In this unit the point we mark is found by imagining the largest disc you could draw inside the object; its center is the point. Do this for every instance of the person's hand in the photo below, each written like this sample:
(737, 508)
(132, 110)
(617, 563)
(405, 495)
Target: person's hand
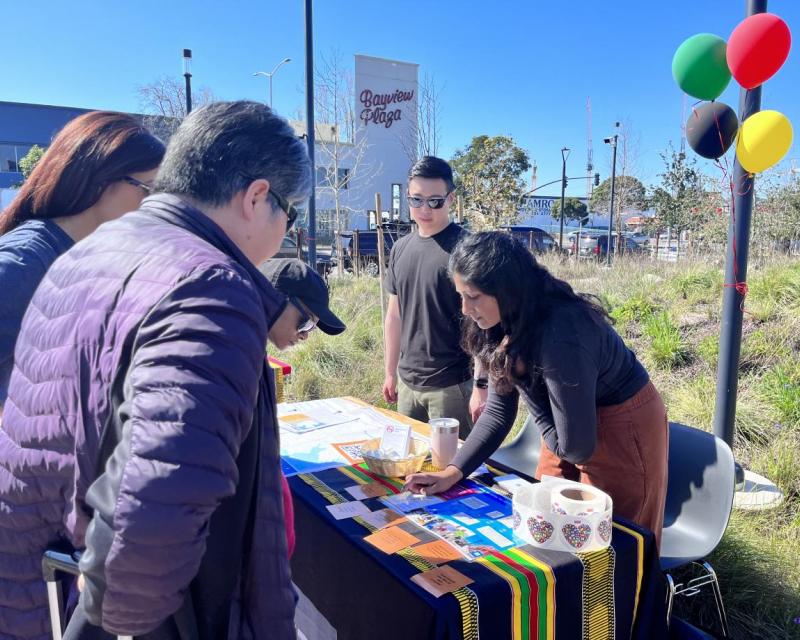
(477, 403)
(390, 388)
(430, 483)
(81, 583)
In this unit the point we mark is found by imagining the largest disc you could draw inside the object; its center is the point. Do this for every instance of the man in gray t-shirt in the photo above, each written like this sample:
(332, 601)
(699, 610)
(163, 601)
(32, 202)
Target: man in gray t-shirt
(426, 371)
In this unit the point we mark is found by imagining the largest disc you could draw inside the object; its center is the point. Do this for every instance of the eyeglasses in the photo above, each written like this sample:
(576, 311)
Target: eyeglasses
(436, 202)
(289, 210)
(307, 323)
(138, 183)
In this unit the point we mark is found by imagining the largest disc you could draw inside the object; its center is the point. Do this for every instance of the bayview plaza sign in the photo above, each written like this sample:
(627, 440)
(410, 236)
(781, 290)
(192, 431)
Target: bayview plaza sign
(377, 107)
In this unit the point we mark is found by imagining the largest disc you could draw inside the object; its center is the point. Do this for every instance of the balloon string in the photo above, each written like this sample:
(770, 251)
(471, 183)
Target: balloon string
(739, 285)
(719, 134)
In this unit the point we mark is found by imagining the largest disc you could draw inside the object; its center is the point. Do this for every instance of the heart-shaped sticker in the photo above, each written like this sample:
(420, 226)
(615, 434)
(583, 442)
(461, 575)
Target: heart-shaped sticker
(576, 534)
(540, 529)
(604, 529)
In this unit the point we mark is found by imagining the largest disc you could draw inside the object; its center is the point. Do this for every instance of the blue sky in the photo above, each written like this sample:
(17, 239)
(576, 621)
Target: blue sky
(519, 68)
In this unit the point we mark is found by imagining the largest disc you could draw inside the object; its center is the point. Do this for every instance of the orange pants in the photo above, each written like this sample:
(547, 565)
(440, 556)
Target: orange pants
(630, 460)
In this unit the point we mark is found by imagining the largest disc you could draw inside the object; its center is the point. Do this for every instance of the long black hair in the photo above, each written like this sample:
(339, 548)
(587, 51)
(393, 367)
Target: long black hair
(90, 153)
(499, 265)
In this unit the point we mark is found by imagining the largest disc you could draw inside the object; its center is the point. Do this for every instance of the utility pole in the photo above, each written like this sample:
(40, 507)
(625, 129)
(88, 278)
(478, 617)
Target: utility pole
(589, 150)
(613, 142)
(312, 205)
(564, 156)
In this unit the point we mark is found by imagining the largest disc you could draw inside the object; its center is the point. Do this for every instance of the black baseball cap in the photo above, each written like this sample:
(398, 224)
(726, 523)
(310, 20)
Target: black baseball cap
(294, 277)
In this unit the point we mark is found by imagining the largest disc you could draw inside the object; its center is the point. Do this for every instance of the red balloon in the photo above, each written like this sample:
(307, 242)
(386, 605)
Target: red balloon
(757, 48)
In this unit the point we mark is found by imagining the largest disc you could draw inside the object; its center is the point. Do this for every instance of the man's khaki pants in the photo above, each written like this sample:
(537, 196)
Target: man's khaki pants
(447, 402)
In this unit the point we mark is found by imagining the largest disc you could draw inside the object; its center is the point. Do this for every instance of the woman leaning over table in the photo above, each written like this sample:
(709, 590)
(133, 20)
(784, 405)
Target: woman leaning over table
(601, 420)
(99, 166)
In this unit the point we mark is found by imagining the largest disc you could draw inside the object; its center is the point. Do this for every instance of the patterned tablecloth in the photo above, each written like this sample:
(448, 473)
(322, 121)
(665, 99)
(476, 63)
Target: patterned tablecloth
(519, 593)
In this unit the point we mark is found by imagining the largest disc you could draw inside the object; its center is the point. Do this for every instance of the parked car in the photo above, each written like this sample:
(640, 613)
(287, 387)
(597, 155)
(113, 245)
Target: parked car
(536, 239)
(289, 249)
(594, 244)
(639, 237)
(588, 242)
(367, 248)
(326, 258)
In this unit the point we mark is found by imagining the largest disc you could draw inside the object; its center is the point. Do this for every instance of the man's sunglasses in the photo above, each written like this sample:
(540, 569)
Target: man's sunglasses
(307, 323)
(436, 202)
(138, 183)
(283, 203)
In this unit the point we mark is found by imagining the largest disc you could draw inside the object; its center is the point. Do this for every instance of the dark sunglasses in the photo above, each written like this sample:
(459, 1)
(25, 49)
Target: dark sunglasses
(436, 202)
(289, 210)
(138, 183)
(307, 323)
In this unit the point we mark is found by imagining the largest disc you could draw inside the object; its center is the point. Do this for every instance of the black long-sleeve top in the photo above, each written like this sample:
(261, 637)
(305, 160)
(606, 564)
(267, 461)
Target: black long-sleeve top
(581, 364)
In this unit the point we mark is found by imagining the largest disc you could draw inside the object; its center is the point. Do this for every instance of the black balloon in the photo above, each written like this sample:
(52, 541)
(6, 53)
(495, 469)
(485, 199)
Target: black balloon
(711, 129)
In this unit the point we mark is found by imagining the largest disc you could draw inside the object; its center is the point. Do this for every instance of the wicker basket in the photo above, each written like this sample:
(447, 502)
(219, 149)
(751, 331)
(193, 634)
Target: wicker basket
(419, 450)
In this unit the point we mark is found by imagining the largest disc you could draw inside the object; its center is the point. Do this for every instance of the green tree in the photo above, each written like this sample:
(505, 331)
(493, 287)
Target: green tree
(574, 209)
(629, 193)
(31, 159)
(488, 174)
(680, 196)
(776, 215)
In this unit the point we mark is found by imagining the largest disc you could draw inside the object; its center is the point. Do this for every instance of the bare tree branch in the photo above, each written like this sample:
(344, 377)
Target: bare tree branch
(343, 172)
(423, 136)
(164, 104)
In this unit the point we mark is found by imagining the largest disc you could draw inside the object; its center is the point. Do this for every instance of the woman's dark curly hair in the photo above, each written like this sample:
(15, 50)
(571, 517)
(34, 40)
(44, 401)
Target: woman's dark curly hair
(527, 294)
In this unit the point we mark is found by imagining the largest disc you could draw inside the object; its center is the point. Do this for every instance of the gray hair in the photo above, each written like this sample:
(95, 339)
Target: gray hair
(220, 148)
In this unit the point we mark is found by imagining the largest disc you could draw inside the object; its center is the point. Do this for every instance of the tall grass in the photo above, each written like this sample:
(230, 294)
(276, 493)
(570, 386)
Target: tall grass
(774, 291)
(669, 315)
(350, 364)
(667, 347)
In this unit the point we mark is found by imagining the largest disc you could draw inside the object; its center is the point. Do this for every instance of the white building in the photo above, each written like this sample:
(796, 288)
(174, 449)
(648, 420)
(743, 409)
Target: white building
(369, 150)
(371, 153)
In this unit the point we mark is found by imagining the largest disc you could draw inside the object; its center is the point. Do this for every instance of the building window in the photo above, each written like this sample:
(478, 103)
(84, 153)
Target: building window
(325, 178)
(395, 201)
(344, 178)
(326, 224)
(8, 158)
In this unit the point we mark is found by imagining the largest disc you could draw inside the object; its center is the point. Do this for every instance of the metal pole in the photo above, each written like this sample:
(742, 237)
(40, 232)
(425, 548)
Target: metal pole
(611, 206)
(270, 91)
(312, 207)
(730, 340)
(187, 57)
(563, 188)
(381, 259)
(188, 77)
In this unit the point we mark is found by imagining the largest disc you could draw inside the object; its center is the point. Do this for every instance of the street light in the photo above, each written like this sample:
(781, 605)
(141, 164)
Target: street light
(187, 74)
(613, 142)
(269, 74)
(564, 156)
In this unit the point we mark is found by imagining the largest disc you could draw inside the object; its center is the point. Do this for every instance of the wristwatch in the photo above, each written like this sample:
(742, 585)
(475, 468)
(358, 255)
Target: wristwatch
(481, 383)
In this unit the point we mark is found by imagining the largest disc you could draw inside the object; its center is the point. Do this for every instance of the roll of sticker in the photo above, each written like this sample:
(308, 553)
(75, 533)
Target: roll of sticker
(572, 499)
(536, 522)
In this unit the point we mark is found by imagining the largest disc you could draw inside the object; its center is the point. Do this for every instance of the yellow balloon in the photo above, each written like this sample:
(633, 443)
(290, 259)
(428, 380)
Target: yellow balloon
(764, 138)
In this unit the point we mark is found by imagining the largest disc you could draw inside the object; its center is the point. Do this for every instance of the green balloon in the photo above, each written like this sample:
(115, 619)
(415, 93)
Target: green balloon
(700, 68)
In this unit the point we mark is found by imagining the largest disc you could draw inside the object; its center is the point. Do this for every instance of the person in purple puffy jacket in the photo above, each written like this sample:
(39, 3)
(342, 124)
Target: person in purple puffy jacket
(140, 423)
